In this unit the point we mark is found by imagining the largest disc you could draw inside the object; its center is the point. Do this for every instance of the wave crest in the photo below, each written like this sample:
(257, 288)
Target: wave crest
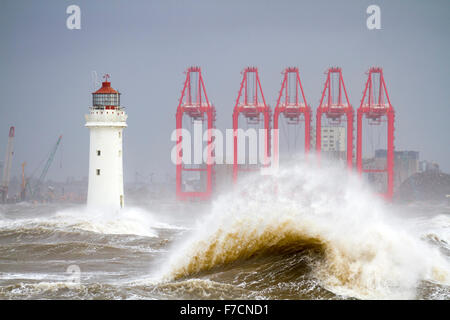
(366, 251)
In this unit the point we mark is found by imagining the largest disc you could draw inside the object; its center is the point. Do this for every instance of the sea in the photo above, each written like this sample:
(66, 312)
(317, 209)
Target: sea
(304, 232)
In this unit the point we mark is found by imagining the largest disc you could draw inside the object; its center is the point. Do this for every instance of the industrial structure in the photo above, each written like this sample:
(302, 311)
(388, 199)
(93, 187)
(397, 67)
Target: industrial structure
(7, 166)
(23, 184)
(376, 107)
(29, 190)
(35, 192)
(291, 103)
(334, 138)
(195, 105)
(406, 164)
(252, 106)
(106, 120)
(335, 108)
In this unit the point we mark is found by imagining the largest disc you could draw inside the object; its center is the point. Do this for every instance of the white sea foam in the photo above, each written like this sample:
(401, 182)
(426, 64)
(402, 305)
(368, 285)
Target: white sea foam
(134, 221)
(369, 251)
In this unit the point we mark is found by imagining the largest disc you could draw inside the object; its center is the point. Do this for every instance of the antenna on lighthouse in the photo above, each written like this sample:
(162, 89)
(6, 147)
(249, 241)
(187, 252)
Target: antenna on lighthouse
(95, 82)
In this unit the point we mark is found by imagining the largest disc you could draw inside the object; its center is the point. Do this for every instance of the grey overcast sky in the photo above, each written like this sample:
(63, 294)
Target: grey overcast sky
(45, 69)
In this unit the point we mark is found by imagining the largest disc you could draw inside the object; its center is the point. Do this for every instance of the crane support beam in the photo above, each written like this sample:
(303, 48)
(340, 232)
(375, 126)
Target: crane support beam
(7, 165)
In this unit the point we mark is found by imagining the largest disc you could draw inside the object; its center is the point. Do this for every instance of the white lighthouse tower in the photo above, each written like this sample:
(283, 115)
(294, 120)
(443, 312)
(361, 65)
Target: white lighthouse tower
(106, 120)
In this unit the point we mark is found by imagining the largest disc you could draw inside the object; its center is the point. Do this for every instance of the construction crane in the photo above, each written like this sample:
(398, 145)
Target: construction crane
(7, 165)
(36, 190)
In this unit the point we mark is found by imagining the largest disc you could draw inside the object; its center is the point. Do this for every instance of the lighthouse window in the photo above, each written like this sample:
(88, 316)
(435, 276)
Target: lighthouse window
(98, 172)
(101, 99)
(120, 135)
(99, 152)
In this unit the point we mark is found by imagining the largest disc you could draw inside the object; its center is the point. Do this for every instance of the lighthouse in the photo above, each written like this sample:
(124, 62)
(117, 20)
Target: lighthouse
(106, 120)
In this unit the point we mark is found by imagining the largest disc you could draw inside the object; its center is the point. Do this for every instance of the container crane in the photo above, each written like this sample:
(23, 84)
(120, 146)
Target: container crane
(251, 106)
(335, 105)
(376, 107)
(195, 105)
(292, 105)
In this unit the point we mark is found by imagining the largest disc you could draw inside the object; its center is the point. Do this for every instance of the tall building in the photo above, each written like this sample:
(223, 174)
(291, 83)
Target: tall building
(334, 141)
(106, 120)
(406, 163)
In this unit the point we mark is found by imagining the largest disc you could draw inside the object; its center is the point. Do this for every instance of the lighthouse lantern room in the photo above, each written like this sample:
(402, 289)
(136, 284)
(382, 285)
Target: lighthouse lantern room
(106, 120)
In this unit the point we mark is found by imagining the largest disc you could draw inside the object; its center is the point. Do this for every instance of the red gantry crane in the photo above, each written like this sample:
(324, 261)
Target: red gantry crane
(7, 165)
(335, 108)
(292, 105)
(194, 104)
(250, 104)
(377, 108)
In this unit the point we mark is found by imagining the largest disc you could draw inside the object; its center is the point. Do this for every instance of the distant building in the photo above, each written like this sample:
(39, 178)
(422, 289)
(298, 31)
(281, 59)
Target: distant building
(406, 163)
(334, 144)
(425, 166)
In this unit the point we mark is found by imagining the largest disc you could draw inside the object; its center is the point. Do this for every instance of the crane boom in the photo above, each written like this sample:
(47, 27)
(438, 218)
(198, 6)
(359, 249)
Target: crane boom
(47, 166)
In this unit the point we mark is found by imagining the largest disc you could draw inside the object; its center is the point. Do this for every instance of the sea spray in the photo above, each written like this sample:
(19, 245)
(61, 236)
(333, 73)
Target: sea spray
(368, 252)
(133, 221)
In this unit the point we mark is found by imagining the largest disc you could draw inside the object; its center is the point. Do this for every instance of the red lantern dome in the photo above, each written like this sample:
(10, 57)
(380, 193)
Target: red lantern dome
(106, 97)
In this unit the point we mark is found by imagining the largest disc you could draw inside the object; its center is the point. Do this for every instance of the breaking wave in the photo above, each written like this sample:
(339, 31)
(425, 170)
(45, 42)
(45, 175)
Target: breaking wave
(355, 244)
